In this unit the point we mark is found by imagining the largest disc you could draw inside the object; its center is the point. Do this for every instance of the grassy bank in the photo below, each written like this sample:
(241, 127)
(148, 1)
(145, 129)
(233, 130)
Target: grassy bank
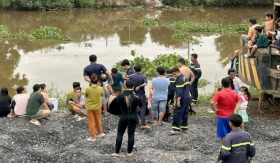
(68, 4)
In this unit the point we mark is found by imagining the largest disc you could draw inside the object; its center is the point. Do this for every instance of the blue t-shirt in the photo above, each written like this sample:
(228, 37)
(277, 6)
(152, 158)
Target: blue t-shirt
(95, 68)
(129, 72)
(117, 80)
(160, 85)
(139, 79)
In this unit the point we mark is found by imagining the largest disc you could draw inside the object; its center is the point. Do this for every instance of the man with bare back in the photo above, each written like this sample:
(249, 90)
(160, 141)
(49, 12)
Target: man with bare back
(187, 72)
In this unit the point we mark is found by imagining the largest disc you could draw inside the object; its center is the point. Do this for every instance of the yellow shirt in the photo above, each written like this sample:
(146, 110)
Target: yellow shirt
(94, 95)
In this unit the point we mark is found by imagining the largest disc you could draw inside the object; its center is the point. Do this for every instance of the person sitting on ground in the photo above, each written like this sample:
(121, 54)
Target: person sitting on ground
(268, 25)
(118, 80)
(46, 96)
(128, 103)
(94, 94)
(159, 92)
(238, 146)
(235, 62)
(236, 81)
(251, 34)
(129, 69)
(187, 72)
(37, 107)
(261, 41)
(21, 101)
(78, 105)
(71, 95)
(5, 103)
(224, 103)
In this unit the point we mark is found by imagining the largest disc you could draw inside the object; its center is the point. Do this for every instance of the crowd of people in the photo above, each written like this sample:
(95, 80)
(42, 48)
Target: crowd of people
(260, 36)
(171, 94)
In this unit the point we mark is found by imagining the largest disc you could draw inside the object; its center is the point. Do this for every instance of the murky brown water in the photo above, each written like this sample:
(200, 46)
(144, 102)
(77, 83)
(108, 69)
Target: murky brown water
(26, 62)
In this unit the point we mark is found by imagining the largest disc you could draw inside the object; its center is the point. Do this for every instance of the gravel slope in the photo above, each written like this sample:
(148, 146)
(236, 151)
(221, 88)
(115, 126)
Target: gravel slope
(61, 139)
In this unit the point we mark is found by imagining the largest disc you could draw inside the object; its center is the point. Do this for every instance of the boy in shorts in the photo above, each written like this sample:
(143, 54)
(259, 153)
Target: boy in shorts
(261, 41)
(224, 103)
(238, 145)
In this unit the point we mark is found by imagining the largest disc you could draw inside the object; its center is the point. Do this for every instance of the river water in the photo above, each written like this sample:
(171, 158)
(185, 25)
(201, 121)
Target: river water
(27, 62)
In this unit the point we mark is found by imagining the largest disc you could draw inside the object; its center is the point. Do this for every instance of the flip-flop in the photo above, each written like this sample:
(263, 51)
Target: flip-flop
(91, 139)
(149, 122)
(161, 124)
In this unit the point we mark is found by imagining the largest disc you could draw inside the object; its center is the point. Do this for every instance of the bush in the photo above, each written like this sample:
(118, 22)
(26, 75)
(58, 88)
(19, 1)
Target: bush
(149, 66)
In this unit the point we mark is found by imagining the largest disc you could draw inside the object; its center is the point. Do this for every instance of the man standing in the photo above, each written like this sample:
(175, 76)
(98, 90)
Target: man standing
(118, 80)
(171, 92)
(235, 62)
(159, 91)
(140, 81)
(195, 67)
(251, 34)
(236, 81)
(224, 103)
(37, 107)
(97, 69)
(180, 113)
(187, 72)
(129, 69)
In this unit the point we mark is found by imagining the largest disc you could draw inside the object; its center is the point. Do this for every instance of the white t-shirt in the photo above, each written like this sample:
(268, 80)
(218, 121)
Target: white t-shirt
(21, 103)
(237, 83)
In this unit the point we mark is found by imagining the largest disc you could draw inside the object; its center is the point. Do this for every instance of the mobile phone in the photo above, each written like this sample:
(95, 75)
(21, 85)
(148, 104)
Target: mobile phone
(71, 99)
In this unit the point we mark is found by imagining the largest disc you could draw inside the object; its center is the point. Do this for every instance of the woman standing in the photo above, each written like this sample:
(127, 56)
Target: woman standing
(128, 102)
(94, 95)
(5, 102)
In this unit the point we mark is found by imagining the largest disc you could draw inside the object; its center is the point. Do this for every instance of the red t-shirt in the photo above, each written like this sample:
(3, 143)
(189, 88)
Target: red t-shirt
(226, 101)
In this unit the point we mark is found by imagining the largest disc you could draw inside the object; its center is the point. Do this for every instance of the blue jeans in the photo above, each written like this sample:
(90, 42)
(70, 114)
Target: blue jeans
(159, 105)
(51, 106)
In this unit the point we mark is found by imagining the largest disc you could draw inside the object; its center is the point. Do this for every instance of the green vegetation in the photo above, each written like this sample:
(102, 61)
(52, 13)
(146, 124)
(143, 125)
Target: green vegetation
(126, 43)
(187, 37)
(54, 92)
(255, 92)
(191, 3)
(188, 26)
(147, 22)
(45, 32)
(149, 66)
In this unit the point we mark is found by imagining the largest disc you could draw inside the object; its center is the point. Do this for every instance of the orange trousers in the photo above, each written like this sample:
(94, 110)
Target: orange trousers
(94, 119)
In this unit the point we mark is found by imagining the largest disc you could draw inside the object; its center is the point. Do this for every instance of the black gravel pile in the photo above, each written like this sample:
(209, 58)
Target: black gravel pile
(62, 139)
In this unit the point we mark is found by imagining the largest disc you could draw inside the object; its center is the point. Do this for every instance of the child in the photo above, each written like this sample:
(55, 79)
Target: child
(150, 106)
(238, 145)
(245, 95)
(260, 41)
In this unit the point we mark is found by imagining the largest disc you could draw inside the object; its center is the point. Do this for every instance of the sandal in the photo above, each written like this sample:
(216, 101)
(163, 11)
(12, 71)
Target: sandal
(160, 124)
(35, 122)
(91, 139)
(101, 135)
(175, 132)
(149, 122)
(116, 155)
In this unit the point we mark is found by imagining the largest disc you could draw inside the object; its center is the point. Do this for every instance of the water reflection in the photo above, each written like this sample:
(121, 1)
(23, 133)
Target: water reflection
(116, 26)
(9, 59)
(226, 45)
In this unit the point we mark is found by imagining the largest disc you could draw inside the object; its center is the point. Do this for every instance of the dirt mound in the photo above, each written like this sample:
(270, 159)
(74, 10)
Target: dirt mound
(61, 139)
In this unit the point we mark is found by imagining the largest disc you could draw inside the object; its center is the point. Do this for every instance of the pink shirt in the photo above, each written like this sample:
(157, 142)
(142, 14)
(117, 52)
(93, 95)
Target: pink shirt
(21, 103)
